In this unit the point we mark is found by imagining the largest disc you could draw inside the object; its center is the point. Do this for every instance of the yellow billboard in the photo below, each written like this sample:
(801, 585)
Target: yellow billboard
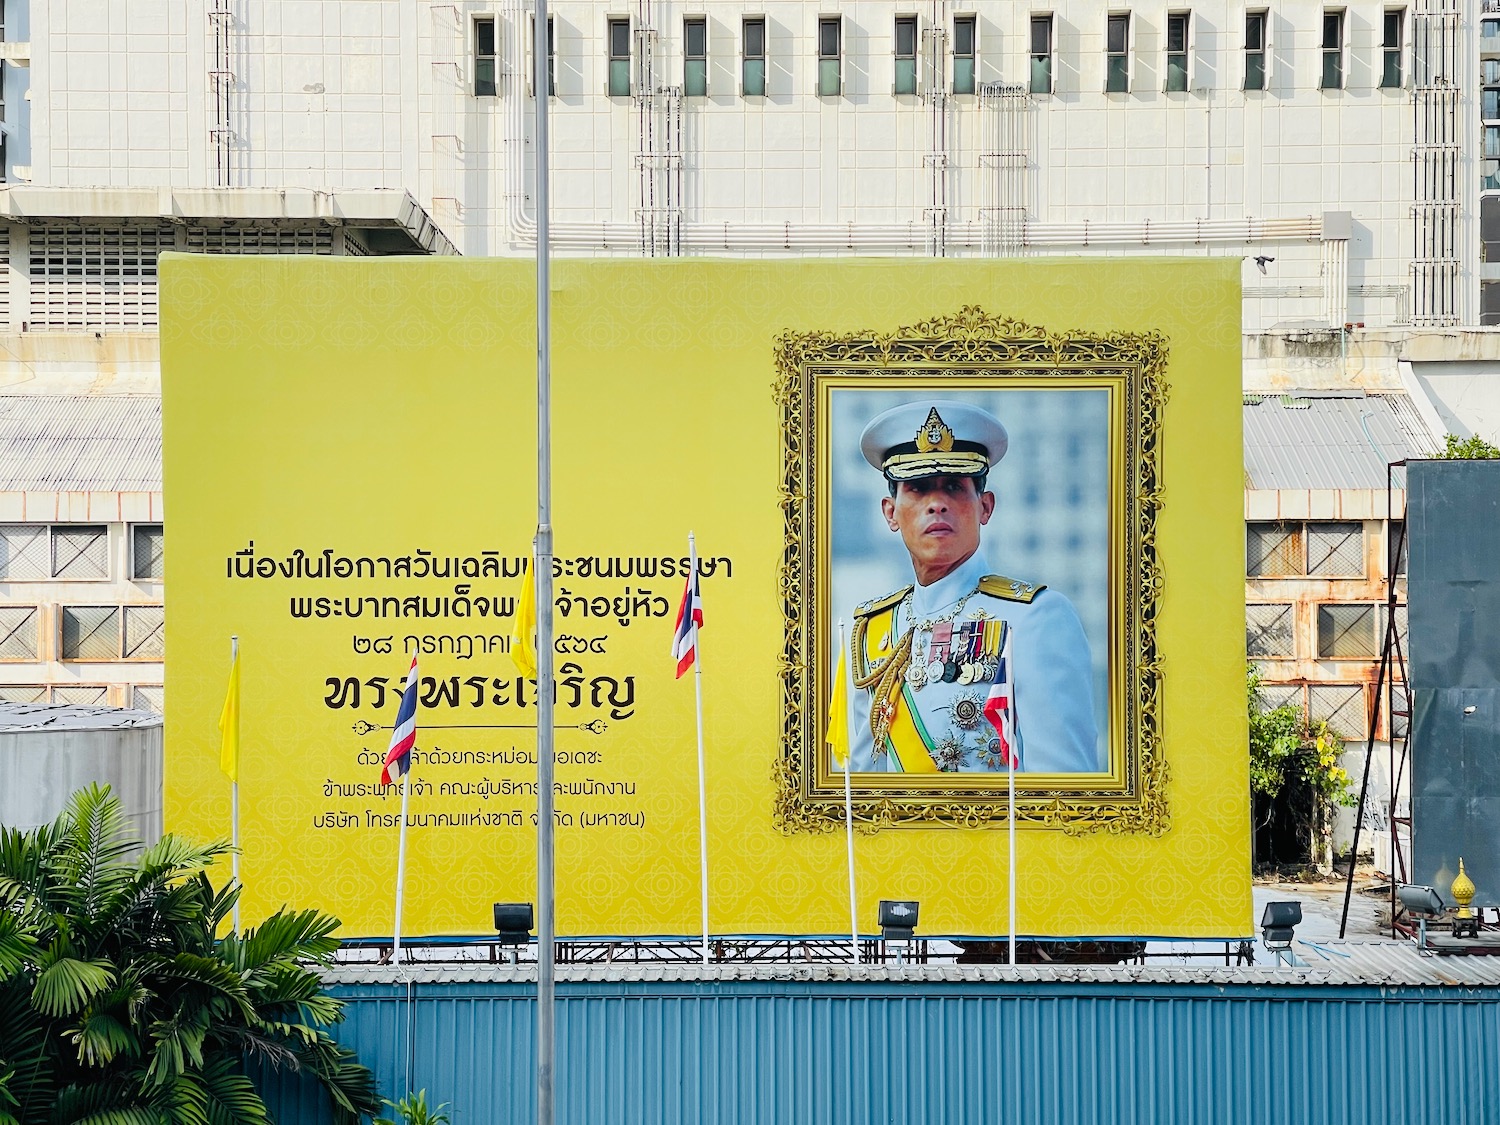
(350, 472)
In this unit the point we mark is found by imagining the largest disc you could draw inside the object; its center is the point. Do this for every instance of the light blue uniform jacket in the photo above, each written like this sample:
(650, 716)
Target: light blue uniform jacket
(1052, 677)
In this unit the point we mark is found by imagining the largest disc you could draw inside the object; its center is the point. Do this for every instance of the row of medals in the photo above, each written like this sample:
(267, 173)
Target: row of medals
(976, 668)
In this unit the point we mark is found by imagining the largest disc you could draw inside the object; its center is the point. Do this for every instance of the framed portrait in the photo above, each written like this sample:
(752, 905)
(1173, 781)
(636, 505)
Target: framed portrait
(1036, 643)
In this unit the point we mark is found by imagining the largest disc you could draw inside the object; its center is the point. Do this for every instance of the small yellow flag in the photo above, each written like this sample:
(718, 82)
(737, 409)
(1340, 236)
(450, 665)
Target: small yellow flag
(523, 628)
(229, 725)
(838, 716)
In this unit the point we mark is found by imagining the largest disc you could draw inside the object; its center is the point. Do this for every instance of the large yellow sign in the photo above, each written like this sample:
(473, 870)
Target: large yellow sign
(350, 472)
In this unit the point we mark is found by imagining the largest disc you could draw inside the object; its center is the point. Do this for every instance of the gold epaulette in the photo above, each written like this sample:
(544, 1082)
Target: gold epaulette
(875, 605)
(1010, 589)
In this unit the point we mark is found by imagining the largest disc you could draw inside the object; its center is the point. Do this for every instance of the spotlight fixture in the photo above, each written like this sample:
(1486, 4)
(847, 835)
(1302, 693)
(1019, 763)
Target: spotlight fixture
(1423, 903)
(1277, 925)
(898, 919)
(513, 922)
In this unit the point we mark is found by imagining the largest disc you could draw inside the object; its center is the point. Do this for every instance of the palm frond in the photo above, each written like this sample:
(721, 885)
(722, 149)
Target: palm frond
(101, 1038)
(302, 934)
(16, 945)
(102, 1102)
(231, 1096)
(65, 984)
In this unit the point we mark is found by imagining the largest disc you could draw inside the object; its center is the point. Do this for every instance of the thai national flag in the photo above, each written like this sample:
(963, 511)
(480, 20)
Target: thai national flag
(1000, 706)
(398, 757)
(689, 618)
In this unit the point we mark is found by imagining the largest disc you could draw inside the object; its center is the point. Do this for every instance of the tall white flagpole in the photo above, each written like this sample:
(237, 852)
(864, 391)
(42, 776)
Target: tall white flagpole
(546, 876)
(702, 781)
(234, 792)
(1011, 817)
(849, 829)
(401, 864)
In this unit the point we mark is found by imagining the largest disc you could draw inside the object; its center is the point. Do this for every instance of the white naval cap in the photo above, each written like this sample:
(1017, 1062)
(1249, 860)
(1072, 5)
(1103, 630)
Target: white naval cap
(931, 438)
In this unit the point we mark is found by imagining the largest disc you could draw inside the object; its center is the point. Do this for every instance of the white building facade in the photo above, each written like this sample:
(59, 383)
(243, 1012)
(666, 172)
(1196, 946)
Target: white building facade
(1348, 153)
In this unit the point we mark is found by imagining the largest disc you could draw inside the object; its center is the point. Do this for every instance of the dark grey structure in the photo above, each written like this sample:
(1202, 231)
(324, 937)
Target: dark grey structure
(1453, 594)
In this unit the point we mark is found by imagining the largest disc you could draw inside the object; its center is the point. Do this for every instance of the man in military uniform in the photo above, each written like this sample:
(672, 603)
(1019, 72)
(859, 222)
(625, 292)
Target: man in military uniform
(922, 658)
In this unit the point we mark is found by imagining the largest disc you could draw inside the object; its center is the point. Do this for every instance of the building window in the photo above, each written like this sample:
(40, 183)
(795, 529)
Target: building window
(1041, 54)
(753, 61)
(32, 552)
(148, 697)
(695, 57)
(1273, 550)
(1292, 550)
(1333, 51)
(1117, 53)
(1492, 142)
(484, 57)
(906, 55)
(20, 627)
(1268, 631)
(1255, 50)
(1178, 24)
(23, 693)
(551, 58)
(830, 58)
(81, 695)
(1401, 628)
(965, 32)
(94, 632)
(1347, 632)
(147, 544)
(619, 58)
(1395, 548)
(1341, 706)
(1390, 71)
(1336, 550)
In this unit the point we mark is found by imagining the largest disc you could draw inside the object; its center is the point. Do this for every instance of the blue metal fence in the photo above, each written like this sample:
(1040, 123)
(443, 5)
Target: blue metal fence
(807, 1052)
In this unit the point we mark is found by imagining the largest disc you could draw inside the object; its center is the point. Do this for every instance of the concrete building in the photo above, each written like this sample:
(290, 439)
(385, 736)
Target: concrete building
(1348, 154)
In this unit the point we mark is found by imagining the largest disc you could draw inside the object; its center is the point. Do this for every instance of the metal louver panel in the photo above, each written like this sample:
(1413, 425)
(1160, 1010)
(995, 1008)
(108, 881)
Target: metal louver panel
(148, 697)
(1273, 550)
(1271, 696)
(90, 632)
(1336, 550)
(1346, 631)
(144, 632)
(18, 632)
(81, 695)
(23, 552)
(1268, 630)
(80, 552)
(1342, 706)
(147, 550)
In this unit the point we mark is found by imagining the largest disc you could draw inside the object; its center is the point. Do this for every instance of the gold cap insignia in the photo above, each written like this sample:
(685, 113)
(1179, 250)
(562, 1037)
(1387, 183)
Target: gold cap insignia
(934, 436)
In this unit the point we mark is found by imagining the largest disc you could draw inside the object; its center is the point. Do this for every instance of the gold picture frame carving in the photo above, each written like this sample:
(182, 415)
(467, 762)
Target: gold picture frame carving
(974, 344)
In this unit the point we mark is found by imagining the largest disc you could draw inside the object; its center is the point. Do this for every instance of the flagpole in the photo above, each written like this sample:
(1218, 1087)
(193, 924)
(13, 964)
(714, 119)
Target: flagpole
(1011, 817)
(401, 866)
(546, 949)
(234, 792)
(702, 782)
(849, 830)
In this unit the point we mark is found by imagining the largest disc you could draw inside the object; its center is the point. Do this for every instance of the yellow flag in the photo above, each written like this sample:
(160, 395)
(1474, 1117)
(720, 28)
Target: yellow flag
(229, 725)
(838, 716)
(523, 629)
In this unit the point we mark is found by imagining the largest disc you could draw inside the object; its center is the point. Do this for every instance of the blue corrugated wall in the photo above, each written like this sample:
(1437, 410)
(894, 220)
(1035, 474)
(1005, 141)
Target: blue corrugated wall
(804, 1053)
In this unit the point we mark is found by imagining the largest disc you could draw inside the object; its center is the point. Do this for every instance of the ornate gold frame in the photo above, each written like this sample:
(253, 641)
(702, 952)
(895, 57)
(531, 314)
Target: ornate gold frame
(1133, 798)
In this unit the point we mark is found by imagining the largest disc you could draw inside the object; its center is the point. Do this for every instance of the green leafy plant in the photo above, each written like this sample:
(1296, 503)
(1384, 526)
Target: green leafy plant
(414, 1110)
(1285, 744)
(1473, 448)
(119, 1005)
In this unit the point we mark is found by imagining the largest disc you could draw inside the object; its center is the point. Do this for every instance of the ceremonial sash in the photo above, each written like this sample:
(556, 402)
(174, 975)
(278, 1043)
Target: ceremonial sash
(883, 673)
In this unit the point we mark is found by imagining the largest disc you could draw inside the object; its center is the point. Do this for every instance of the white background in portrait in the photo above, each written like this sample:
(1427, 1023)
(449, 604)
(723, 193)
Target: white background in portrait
(1051, 521)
